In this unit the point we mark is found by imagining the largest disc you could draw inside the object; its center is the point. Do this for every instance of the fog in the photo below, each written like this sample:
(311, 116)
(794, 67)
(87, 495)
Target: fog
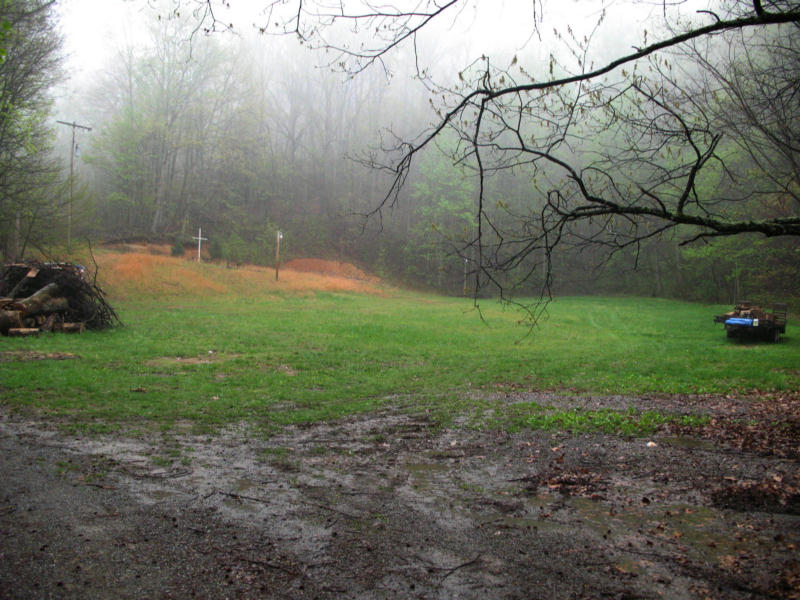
(233, 125)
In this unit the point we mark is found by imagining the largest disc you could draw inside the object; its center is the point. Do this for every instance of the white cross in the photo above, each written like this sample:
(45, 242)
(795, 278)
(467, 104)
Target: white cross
(200, 239)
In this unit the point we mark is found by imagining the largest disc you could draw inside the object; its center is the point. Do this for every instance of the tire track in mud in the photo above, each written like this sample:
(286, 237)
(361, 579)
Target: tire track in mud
(389, 506)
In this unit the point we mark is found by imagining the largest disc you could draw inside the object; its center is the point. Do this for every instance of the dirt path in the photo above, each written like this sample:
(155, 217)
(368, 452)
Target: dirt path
(385, 506)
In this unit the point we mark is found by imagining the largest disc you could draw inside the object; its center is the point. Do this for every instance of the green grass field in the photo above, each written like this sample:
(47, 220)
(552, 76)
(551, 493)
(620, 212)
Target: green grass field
(289, 357)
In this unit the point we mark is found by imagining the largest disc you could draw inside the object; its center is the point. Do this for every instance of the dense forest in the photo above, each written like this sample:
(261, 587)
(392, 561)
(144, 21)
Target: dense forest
(245, 135)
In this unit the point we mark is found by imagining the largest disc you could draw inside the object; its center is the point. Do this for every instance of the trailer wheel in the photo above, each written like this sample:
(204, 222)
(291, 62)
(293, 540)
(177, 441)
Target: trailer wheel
(776, 335)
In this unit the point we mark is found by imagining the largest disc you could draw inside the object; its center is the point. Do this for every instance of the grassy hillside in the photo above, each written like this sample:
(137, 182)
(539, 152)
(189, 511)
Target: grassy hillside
(214, 345)
(151, 273)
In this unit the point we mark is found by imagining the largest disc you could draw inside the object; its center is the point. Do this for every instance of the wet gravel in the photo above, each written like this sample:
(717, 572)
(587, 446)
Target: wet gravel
(390, 506)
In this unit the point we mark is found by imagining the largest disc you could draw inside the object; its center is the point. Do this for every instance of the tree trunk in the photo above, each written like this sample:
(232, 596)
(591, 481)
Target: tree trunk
(17, 220)
(657, 265)
(47, 300)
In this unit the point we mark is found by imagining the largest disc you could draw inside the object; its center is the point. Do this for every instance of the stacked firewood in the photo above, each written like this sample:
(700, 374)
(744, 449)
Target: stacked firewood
(37, 297)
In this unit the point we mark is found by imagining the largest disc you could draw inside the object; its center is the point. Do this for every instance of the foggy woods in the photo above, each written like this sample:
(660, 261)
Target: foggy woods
(669, 169)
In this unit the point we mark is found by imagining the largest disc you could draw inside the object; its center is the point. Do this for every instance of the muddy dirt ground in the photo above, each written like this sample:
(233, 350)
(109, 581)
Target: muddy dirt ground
(388, 506)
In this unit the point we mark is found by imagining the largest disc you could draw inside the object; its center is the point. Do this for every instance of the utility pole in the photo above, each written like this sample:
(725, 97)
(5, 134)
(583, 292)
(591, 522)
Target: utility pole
(278, 239)
(74, 126)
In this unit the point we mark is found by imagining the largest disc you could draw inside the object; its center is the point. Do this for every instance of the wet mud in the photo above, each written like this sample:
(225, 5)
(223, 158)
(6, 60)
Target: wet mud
(391, 506)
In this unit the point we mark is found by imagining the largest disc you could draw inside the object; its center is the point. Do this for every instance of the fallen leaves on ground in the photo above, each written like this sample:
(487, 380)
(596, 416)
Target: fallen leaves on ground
(770, 425)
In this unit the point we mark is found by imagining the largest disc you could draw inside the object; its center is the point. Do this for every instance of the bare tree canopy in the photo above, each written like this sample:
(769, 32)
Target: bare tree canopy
(693, 135)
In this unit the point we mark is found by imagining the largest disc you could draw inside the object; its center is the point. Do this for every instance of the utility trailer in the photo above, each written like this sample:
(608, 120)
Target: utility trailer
(747, 320)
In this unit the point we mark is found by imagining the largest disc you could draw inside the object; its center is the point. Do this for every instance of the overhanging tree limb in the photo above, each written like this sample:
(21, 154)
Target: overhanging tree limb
(486, 94)
(611, 159)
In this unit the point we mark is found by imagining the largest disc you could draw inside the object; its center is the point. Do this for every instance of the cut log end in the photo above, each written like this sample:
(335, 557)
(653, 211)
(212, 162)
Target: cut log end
(10, 319)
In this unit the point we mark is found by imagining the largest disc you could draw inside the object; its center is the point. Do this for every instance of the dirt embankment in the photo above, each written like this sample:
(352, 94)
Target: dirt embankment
(137, 271)
(388, 506)
(329, 267)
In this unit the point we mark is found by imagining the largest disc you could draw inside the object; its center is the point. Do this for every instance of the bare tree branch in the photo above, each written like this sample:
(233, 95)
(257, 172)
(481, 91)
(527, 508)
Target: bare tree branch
(614, 163)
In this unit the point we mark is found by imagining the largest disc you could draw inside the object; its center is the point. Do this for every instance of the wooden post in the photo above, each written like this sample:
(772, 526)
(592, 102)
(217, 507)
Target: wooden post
(278, 239)
(466, 261)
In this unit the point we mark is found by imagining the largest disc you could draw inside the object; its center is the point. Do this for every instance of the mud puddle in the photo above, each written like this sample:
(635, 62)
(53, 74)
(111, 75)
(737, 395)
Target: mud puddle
(387, 506)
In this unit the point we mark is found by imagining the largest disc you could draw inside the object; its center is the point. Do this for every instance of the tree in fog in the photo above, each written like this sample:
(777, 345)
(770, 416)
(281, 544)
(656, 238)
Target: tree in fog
(31, 194)
(237, 136)
(688, 137)
(164, 108)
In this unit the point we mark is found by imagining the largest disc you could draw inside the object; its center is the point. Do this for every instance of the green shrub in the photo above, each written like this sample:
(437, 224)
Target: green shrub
(215, 249)
(236, 250)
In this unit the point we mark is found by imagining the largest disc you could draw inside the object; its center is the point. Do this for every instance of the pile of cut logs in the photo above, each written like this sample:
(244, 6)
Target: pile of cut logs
(37, 297)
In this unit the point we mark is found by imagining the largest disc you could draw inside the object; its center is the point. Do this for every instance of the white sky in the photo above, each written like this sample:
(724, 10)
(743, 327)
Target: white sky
(92, 28)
